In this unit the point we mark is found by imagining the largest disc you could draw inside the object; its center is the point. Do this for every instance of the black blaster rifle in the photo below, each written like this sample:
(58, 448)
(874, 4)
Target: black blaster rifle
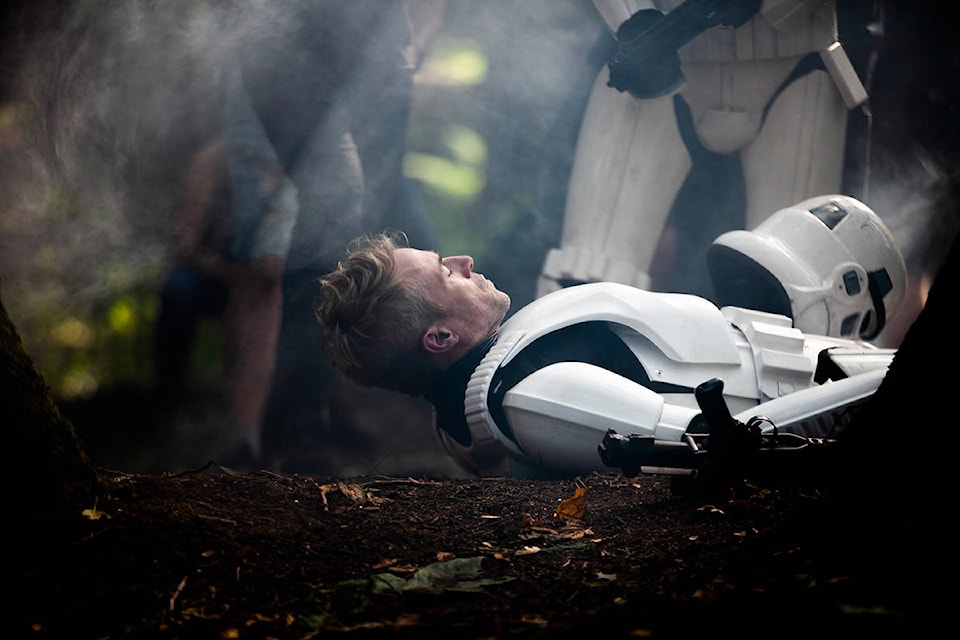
(646, 64)
(718, 449)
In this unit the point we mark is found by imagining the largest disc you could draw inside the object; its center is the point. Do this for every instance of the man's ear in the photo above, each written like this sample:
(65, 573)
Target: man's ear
(439, 339)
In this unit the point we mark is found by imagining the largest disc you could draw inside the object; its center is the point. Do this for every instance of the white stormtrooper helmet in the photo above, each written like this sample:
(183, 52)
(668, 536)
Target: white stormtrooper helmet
(829, 263)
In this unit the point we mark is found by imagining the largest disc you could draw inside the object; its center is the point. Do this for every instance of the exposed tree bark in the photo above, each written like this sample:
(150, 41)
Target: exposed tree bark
(909, 422)
(50, 467)
(897, 476)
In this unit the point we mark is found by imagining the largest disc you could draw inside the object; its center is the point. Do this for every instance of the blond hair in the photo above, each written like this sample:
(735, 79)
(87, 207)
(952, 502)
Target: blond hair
(373, 323)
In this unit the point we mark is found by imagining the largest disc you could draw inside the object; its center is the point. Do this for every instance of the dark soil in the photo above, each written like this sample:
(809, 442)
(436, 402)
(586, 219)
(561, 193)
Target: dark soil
(215, 554)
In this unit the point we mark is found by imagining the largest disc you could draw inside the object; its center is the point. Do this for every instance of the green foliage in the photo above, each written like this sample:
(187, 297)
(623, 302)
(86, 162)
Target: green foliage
(87, 350)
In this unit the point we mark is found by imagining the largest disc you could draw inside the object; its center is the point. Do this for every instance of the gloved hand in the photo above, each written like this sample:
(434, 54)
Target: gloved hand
(646, 64)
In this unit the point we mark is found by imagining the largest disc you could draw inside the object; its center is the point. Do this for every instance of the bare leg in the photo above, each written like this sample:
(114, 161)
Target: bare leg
(253, 324)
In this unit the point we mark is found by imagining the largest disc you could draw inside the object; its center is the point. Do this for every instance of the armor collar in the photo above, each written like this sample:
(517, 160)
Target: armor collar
(446, 395)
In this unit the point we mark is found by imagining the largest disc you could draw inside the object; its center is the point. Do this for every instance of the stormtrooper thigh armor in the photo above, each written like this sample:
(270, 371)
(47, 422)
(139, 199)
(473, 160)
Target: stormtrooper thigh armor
(629, 165)
(631, 162)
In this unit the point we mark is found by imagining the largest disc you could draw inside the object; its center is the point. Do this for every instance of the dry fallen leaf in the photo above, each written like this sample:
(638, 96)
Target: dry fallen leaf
(709, 508)
(526, 551)
(574, 507)
(93, 514)
(405, 568)
(353, 492)
(386, 562)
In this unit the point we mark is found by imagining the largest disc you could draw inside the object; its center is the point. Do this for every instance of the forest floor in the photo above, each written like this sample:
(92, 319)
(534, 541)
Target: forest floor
(213, 553)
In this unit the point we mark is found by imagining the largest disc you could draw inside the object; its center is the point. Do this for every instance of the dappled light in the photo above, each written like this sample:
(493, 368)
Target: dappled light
(450, 178)
(453, 62)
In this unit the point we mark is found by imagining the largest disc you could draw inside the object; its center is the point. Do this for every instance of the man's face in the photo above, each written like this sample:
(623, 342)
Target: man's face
(473, 303)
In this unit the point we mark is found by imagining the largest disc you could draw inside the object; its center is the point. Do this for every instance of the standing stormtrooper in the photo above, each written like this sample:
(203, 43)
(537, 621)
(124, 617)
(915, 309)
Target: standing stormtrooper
(767, 81)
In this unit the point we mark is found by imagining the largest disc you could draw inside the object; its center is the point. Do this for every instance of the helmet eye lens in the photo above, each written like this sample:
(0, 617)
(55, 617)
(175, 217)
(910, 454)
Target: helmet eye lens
(830, 214)
(849, 324)
(851, 283)
(882, 282)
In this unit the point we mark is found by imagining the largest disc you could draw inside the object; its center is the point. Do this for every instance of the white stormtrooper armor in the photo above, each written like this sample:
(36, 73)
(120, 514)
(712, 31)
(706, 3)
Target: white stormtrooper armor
(829, 260)
(830, 263)
(559, 414)
(631, 161)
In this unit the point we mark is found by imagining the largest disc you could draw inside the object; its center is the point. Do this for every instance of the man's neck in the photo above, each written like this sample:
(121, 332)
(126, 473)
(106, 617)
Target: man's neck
(458, 374)
(471, 357)
(449, 358)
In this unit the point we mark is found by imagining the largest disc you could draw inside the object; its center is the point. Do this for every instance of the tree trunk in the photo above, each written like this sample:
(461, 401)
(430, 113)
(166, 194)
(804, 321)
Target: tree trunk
(897, 481)
(51, 470)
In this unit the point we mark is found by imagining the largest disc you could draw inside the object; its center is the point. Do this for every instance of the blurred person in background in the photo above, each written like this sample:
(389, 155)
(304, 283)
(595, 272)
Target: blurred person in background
(232, 232)
(313, 138)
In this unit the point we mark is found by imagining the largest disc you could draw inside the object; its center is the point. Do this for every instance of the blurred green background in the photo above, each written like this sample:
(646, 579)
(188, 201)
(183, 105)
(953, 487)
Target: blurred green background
(103, 105)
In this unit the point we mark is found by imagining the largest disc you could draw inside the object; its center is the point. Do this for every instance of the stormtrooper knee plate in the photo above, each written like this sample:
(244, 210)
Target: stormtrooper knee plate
(629, 164)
